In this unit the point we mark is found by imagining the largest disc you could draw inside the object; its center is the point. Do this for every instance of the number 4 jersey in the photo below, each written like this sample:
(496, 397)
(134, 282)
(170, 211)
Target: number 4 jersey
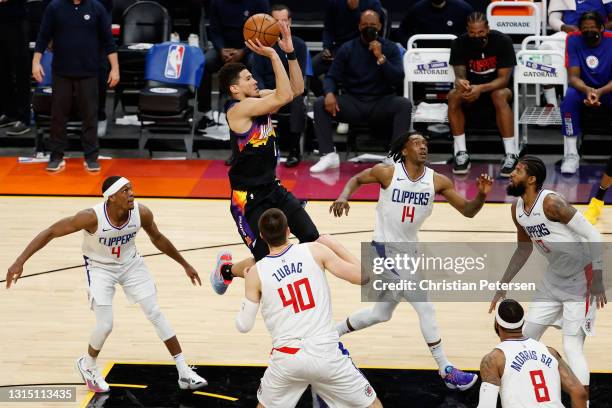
(295, 298)
(531, 375)
(112, 246)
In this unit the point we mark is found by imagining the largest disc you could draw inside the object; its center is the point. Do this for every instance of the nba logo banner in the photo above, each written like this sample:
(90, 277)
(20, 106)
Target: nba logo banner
(174, 61)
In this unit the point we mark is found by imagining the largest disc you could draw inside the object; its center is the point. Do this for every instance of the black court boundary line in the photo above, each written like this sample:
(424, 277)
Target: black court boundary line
(241, 243)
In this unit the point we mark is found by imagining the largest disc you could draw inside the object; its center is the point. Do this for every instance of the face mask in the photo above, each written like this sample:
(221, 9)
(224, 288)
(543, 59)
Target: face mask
(591, 38)
(369, 34)
(478, 42)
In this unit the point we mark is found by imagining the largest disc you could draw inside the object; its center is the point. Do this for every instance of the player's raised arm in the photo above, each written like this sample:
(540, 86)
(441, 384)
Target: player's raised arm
(162, 243)
(379, 174)
(467, 208)
(250, 304)
(570, 383)
(296, 77)
(491, 371)
(333, 256)
(519, 257)
(83, 220)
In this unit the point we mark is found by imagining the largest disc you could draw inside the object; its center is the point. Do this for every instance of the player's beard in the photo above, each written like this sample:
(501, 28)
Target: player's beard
(515, 190)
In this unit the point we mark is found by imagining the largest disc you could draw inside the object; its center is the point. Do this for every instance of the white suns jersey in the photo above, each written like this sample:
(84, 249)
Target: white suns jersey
(531, 375)
(112, 246)
(566, 252)
(295, 297)
(403, 206)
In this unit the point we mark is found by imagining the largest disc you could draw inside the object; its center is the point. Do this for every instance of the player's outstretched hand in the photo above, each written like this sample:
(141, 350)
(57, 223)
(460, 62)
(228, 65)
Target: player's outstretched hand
(285, 42)
(193, 275)
(499, 295)
(339, 206)
(484, 184)
(14, 272)
(258, 48)
(598, 293)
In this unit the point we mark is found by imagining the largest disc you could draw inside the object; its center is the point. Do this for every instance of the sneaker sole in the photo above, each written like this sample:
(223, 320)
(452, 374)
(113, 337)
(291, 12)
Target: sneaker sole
(7, 124)
(184, 386)
(506, 175)
(214, 272)
(463, 387)
(323, 171)
(23, 132)
(465, 171)
(58, 170)
(89, 387)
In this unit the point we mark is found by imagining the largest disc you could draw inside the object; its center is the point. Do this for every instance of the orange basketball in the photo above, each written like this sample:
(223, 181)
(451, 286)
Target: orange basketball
(263, 27)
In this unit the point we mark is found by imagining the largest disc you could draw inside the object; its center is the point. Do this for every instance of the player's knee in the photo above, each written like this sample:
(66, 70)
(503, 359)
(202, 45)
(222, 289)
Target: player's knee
(454, 98)
(403, 104)
(376, 404)
(382, 316)
(104, 328)
(500, 97)
(154, 313)
(310, 236)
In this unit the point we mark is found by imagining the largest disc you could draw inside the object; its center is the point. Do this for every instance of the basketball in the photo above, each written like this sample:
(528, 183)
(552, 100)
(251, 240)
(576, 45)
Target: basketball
(263, 27)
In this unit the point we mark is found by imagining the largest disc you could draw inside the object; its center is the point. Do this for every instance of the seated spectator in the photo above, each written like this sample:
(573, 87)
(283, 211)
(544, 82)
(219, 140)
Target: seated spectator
(370, 70)
(434, 17)
(225, 32)
(264, 75)
(340, 25)
(563, 16)
(483, 61)
(589, 70)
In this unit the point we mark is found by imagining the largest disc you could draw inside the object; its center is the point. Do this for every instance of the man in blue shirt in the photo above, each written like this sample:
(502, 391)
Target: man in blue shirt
(79, 30)
(264, 75)
(370, 70)
(589, 69)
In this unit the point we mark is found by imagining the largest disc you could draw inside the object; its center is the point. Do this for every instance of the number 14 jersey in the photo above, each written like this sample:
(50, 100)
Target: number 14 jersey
(295, 298)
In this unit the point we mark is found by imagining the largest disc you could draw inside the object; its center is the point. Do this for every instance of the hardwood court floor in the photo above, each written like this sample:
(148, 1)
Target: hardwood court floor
(46, 322)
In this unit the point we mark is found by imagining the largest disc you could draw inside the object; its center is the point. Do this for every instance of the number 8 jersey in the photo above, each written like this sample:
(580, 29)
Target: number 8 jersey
(295, 297)
(110, 245)
(404, 205)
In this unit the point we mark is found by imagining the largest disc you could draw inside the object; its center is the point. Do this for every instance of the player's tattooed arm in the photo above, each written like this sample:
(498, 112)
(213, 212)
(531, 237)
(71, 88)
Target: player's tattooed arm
(557, 209)
(570, 383)
(443, 185)
(380, 174)
(461, 82)
(491, 367)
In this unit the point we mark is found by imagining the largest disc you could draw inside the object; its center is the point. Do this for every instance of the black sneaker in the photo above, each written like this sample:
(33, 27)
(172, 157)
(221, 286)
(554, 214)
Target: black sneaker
(6, 121)
(293, 159)
(508, 164)
(18, 128)
(92, 165)
(462, 163)
(204, 123)
(56, 165)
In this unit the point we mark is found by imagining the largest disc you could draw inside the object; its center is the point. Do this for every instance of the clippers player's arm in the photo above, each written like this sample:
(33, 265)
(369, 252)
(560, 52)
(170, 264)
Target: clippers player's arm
(380, 174)
(519, 257)
(570, 384)
(558, 210)
(245, 320)
(162, 243)
(461, 82)
(443, 185)
(491, 372)
(83, 220)
(330, 254)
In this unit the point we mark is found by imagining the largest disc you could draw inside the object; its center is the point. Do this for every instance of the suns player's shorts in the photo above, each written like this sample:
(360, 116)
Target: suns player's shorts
(329, 371)
(554, 307)
(134, 278)
(247, 206)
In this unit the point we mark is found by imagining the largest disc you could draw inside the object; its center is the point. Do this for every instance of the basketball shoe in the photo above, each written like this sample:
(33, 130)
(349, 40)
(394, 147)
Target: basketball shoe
(189, 380)
(92, 377)
(456, 379)
(217, 280)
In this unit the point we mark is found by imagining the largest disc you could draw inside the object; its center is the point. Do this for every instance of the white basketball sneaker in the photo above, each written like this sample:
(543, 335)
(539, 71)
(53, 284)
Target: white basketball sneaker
(92, 377)
(189, 380)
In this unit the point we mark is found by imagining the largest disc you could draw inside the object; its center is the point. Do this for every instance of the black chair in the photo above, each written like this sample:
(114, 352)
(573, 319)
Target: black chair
(142, 22)
(386, 23)
(119, 7)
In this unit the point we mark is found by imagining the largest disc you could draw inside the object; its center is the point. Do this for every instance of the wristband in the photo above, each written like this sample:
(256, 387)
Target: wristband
(291, 56)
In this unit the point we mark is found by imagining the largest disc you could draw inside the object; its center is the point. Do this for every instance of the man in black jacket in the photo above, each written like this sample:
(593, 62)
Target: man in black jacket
(78, 29)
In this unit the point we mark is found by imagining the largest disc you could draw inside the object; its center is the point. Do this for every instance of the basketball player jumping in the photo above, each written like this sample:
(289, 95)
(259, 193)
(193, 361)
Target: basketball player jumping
(253, 172)
(573, 249)
(526, 372)
(109, 249)
(295, 300)
(399, 220)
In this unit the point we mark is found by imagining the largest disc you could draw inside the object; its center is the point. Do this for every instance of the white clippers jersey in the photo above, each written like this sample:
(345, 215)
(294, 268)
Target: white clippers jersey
(112, 246)
(295, 298)
(531, 375)
(566, 252)
(404, 206)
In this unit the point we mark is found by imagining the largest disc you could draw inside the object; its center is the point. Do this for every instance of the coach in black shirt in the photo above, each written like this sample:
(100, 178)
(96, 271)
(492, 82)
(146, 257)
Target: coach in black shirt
(78, 30)
(370, 70)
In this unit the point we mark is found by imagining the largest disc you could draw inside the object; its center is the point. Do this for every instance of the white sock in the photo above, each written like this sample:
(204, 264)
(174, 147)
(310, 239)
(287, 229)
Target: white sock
(510, 145)
(342, 328)
(571, 145)
(550, 94)
(459, 143)
(209, 114)
(181, 365)
(90, 361)
(438, 354)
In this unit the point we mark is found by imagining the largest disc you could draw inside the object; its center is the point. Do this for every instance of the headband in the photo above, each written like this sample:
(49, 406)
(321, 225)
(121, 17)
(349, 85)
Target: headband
(115, 187)
(505, 324)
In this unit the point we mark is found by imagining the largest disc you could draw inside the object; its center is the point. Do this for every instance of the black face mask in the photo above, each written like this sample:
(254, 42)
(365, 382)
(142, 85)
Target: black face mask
(369, 34)
(478, 42)
(591, 38)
